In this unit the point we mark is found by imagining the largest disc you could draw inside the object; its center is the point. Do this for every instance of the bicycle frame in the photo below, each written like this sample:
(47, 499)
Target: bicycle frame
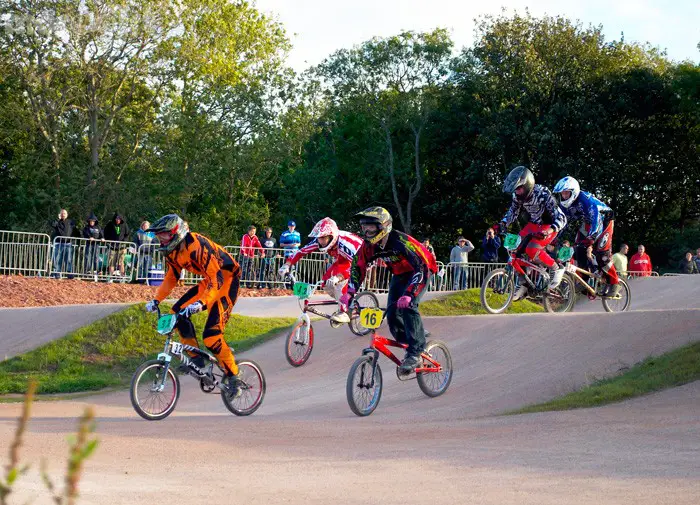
(379, 344)
(574, 271)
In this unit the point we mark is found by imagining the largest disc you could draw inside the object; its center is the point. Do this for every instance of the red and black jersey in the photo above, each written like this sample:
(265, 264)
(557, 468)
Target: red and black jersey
(401, 254)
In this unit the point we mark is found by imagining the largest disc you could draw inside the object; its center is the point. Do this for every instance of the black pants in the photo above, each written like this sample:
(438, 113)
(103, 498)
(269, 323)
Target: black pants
(405, 325)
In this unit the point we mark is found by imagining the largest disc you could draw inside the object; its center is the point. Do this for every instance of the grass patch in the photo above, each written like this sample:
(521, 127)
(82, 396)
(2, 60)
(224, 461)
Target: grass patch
(464, 303)
(106, 353)
(672, 369)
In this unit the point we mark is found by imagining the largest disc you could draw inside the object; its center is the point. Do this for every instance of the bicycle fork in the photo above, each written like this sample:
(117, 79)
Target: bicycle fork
(375, 361)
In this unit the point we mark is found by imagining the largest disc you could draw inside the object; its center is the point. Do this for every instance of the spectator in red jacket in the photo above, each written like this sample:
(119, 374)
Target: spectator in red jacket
(640, 264)
(249, 244)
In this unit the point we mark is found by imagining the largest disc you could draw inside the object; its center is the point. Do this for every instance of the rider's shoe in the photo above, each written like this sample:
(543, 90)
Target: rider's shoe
(614, 291)
(340, 317)
(556, 274)
(410, 363)
(520, 293)
(231, 386)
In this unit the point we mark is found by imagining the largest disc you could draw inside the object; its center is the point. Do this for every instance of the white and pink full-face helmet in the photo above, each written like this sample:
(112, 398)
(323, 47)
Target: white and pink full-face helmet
(326, 227)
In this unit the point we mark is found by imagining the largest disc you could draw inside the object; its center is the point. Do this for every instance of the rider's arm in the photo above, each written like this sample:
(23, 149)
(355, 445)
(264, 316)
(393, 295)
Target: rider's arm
(307, 249)
(172, 275)
(420, 268)
(513, 212)
(558, 217)
(358, 269)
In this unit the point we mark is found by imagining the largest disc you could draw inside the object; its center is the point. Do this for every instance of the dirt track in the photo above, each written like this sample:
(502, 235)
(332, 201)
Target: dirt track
(305, 446)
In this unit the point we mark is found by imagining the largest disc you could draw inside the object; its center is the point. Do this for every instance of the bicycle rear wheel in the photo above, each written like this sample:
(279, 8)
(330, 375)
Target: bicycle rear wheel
(363, 300)
(561, 299)
(152, 400)
(435, 383)
(620, 303)
(364, 391)
(252, 390)
(299, 343)
(497, 291)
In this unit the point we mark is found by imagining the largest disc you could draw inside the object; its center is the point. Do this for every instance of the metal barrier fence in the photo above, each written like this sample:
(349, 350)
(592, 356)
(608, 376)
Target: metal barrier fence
(24, 253)
(104, 260)
(98, 260)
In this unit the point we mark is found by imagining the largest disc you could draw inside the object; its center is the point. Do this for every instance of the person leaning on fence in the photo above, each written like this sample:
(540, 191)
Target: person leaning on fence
(62, 230)
(249, 245)
(93, 232)
(117, 231)
(144, 238)
(620, 260)
(687, 264)
(459, 256)
(640, 263)
(267, 269)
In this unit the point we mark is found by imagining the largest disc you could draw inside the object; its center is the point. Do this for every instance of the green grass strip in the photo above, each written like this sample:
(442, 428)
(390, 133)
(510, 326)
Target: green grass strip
(464, 303)
(106, 353)
(672, 369)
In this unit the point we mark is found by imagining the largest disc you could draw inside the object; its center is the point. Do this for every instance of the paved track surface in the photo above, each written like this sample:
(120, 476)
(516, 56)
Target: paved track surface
(24, 329)
(304, 446)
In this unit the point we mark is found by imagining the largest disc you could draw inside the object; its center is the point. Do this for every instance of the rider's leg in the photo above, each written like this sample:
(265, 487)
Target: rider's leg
(397, 287)
(414, 332)
(537, 253)
(219, 314)
(603, 253)
(188, 335)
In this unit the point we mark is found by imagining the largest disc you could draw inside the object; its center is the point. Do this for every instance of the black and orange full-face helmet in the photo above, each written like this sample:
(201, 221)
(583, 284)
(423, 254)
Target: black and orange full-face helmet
(170, 230)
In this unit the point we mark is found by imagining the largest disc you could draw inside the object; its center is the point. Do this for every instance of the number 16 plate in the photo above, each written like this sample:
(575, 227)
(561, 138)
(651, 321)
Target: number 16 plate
(371, 318)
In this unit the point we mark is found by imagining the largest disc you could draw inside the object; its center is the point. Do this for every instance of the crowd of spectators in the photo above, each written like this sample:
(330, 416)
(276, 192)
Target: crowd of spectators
(105, 250)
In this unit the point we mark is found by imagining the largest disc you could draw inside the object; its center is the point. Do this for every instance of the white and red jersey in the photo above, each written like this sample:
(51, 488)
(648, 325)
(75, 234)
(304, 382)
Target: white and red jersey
(342, 252)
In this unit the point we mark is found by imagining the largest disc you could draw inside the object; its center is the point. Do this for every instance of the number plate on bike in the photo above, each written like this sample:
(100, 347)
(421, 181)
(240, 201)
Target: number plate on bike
(176, 348)
(371, 318)
(302, 290)
(166, 323)
(512, 241)
(571, 268)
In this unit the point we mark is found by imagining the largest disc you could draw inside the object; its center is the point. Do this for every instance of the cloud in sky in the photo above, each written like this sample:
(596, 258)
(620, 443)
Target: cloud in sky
(319, 27)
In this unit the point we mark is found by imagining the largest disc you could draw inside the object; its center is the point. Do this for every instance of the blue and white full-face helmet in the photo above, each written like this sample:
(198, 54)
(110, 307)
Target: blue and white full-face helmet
(567, 184)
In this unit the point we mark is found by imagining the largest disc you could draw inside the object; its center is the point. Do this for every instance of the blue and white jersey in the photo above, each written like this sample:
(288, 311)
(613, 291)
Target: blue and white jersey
(290, 237)
(591, 211)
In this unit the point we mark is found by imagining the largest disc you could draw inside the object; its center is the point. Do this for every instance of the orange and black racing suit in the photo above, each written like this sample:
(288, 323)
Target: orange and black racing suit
(218, 292)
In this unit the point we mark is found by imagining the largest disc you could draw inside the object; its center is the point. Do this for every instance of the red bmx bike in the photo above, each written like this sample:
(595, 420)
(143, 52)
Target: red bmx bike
(364, 384)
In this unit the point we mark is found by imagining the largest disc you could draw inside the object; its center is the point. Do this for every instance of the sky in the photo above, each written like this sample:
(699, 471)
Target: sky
(319, 27)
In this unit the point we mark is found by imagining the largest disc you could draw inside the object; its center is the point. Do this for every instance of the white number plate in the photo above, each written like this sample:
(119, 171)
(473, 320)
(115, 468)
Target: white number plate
(176, 348)
(571, 268)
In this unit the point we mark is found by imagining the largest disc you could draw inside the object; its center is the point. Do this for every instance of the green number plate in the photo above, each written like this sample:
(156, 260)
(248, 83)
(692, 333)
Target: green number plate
(512, 241)
(565, 253)
(166, 323)
(302, 290)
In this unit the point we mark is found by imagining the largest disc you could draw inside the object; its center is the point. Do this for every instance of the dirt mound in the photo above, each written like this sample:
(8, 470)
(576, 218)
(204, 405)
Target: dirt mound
(17, 291)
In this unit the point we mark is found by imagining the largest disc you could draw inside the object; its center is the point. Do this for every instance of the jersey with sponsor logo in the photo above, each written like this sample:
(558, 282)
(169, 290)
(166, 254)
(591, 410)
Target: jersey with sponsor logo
(342, 252)
(401, 254)
(201, 256)
(591, 211)
(541, 206)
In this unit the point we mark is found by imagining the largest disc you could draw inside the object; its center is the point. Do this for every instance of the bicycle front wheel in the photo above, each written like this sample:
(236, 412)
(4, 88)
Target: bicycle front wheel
(252, 390)
(364, 389)
(299, 343)
(435, 383)
(497, 291)
(363, 300)
(152, 397)
(562, 298)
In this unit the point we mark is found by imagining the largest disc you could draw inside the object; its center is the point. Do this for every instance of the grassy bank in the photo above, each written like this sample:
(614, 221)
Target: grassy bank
(467, 302)
(672, 369)
(106, 352)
